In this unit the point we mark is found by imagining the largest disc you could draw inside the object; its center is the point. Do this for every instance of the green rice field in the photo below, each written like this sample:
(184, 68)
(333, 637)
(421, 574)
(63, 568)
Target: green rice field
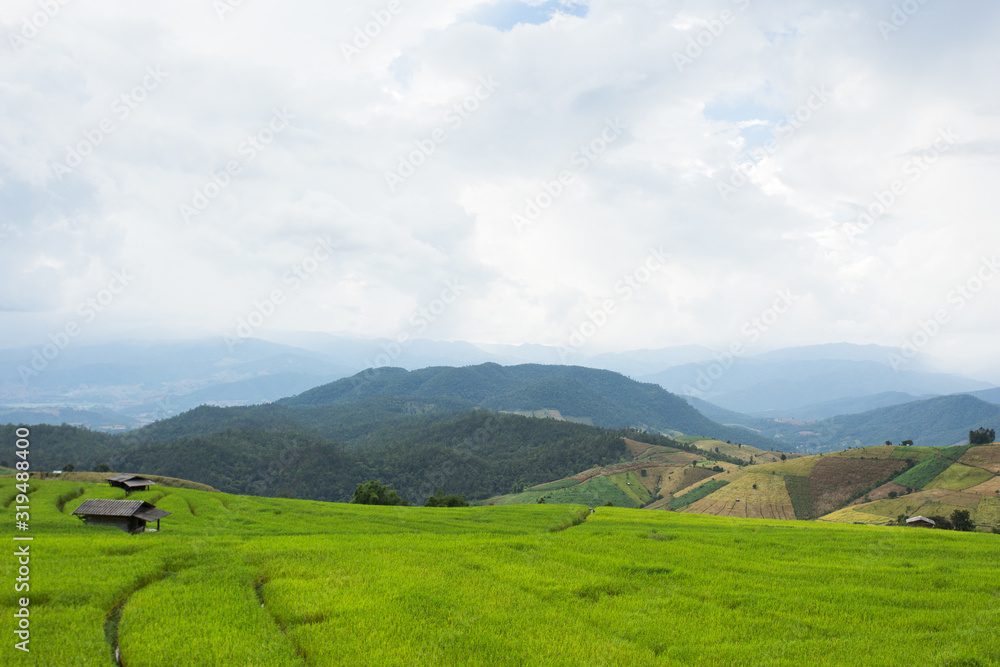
(236, 580)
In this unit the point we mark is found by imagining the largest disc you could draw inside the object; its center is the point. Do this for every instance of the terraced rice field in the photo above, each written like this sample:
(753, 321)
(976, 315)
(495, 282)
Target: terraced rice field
(257, 581)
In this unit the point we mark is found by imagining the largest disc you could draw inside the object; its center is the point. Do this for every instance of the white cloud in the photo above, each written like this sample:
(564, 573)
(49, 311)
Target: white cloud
(559, 82)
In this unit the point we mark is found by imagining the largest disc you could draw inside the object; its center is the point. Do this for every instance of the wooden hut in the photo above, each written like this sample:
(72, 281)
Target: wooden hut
(130, 483)
(921, 521)
(128, 515)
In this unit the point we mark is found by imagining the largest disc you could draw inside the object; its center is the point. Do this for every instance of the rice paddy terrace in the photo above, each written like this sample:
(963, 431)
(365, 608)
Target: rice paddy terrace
(238, 580)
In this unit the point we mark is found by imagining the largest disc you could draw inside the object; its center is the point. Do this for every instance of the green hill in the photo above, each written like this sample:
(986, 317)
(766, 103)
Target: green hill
(237, 580)
(610, 399)
(478, 454)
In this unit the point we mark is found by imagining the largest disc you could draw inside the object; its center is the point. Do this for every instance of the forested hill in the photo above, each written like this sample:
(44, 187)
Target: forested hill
(478, 454)
(609, 399)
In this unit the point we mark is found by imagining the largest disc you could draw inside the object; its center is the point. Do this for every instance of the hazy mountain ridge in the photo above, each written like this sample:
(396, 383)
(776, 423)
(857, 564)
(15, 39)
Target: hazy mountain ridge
(940, 421)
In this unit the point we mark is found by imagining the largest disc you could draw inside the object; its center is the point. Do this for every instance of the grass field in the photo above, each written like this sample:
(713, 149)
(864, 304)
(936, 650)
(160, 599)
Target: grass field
(958, 477)
(236, 580)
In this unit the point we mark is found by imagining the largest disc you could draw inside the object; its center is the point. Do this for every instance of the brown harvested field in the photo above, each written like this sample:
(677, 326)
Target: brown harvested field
(675, 458)
(962, 499)
(986, 457)
(881, 493)
(652, 480)
(638, 449)
(836, 478)
(988, 488)
(740, 452)
(801, 466)
(618, 468)
(988, 512)
(879, 452)
(682, 478)
(768, 501)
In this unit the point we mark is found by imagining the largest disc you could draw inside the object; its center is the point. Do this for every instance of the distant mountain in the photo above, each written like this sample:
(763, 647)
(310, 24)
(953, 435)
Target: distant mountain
(935, 422)
(611, 400)
(854, 405)
(147, 381)
(731, 417)
(130, 383)
(830, 352)
(988, 395)
(777, 388)
(941, 421)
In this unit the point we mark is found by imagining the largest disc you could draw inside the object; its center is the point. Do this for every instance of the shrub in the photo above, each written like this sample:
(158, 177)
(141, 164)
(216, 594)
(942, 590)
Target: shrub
(441, 500)
(376, 493)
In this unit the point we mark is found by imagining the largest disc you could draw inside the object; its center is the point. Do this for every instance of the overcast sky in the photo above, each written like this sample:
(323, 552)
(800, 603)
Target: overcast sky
(504, 172)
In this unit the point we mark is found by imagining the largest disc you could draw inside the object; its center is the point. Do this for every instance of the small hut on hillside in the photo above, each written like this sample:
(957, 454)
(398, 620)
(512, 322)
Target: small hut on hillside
(128, 515)
(920, 521)
(130, 483)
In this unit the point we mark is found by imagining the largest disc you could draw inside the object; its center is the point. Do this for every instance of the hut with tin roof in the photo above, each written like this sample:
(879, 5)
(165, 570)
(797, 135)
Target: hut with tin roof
(128, 515)
(130, 483)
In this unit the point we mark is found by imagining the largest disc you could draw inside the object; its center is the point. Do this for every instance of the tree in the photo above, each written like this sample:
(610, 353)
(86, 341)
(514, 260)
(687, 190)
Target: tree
(893, 494)
(441, 500)
(962, 520)
(69, 467)
(376, 493)
(907, 443)
(783, 457)
(982, 436)
(941, 522)
(102, 467)
(888, 443)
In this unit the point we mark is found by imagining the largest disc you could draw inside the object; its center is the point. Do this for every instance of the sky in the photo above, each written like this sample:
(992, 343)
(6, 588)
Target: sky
(603, 176)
